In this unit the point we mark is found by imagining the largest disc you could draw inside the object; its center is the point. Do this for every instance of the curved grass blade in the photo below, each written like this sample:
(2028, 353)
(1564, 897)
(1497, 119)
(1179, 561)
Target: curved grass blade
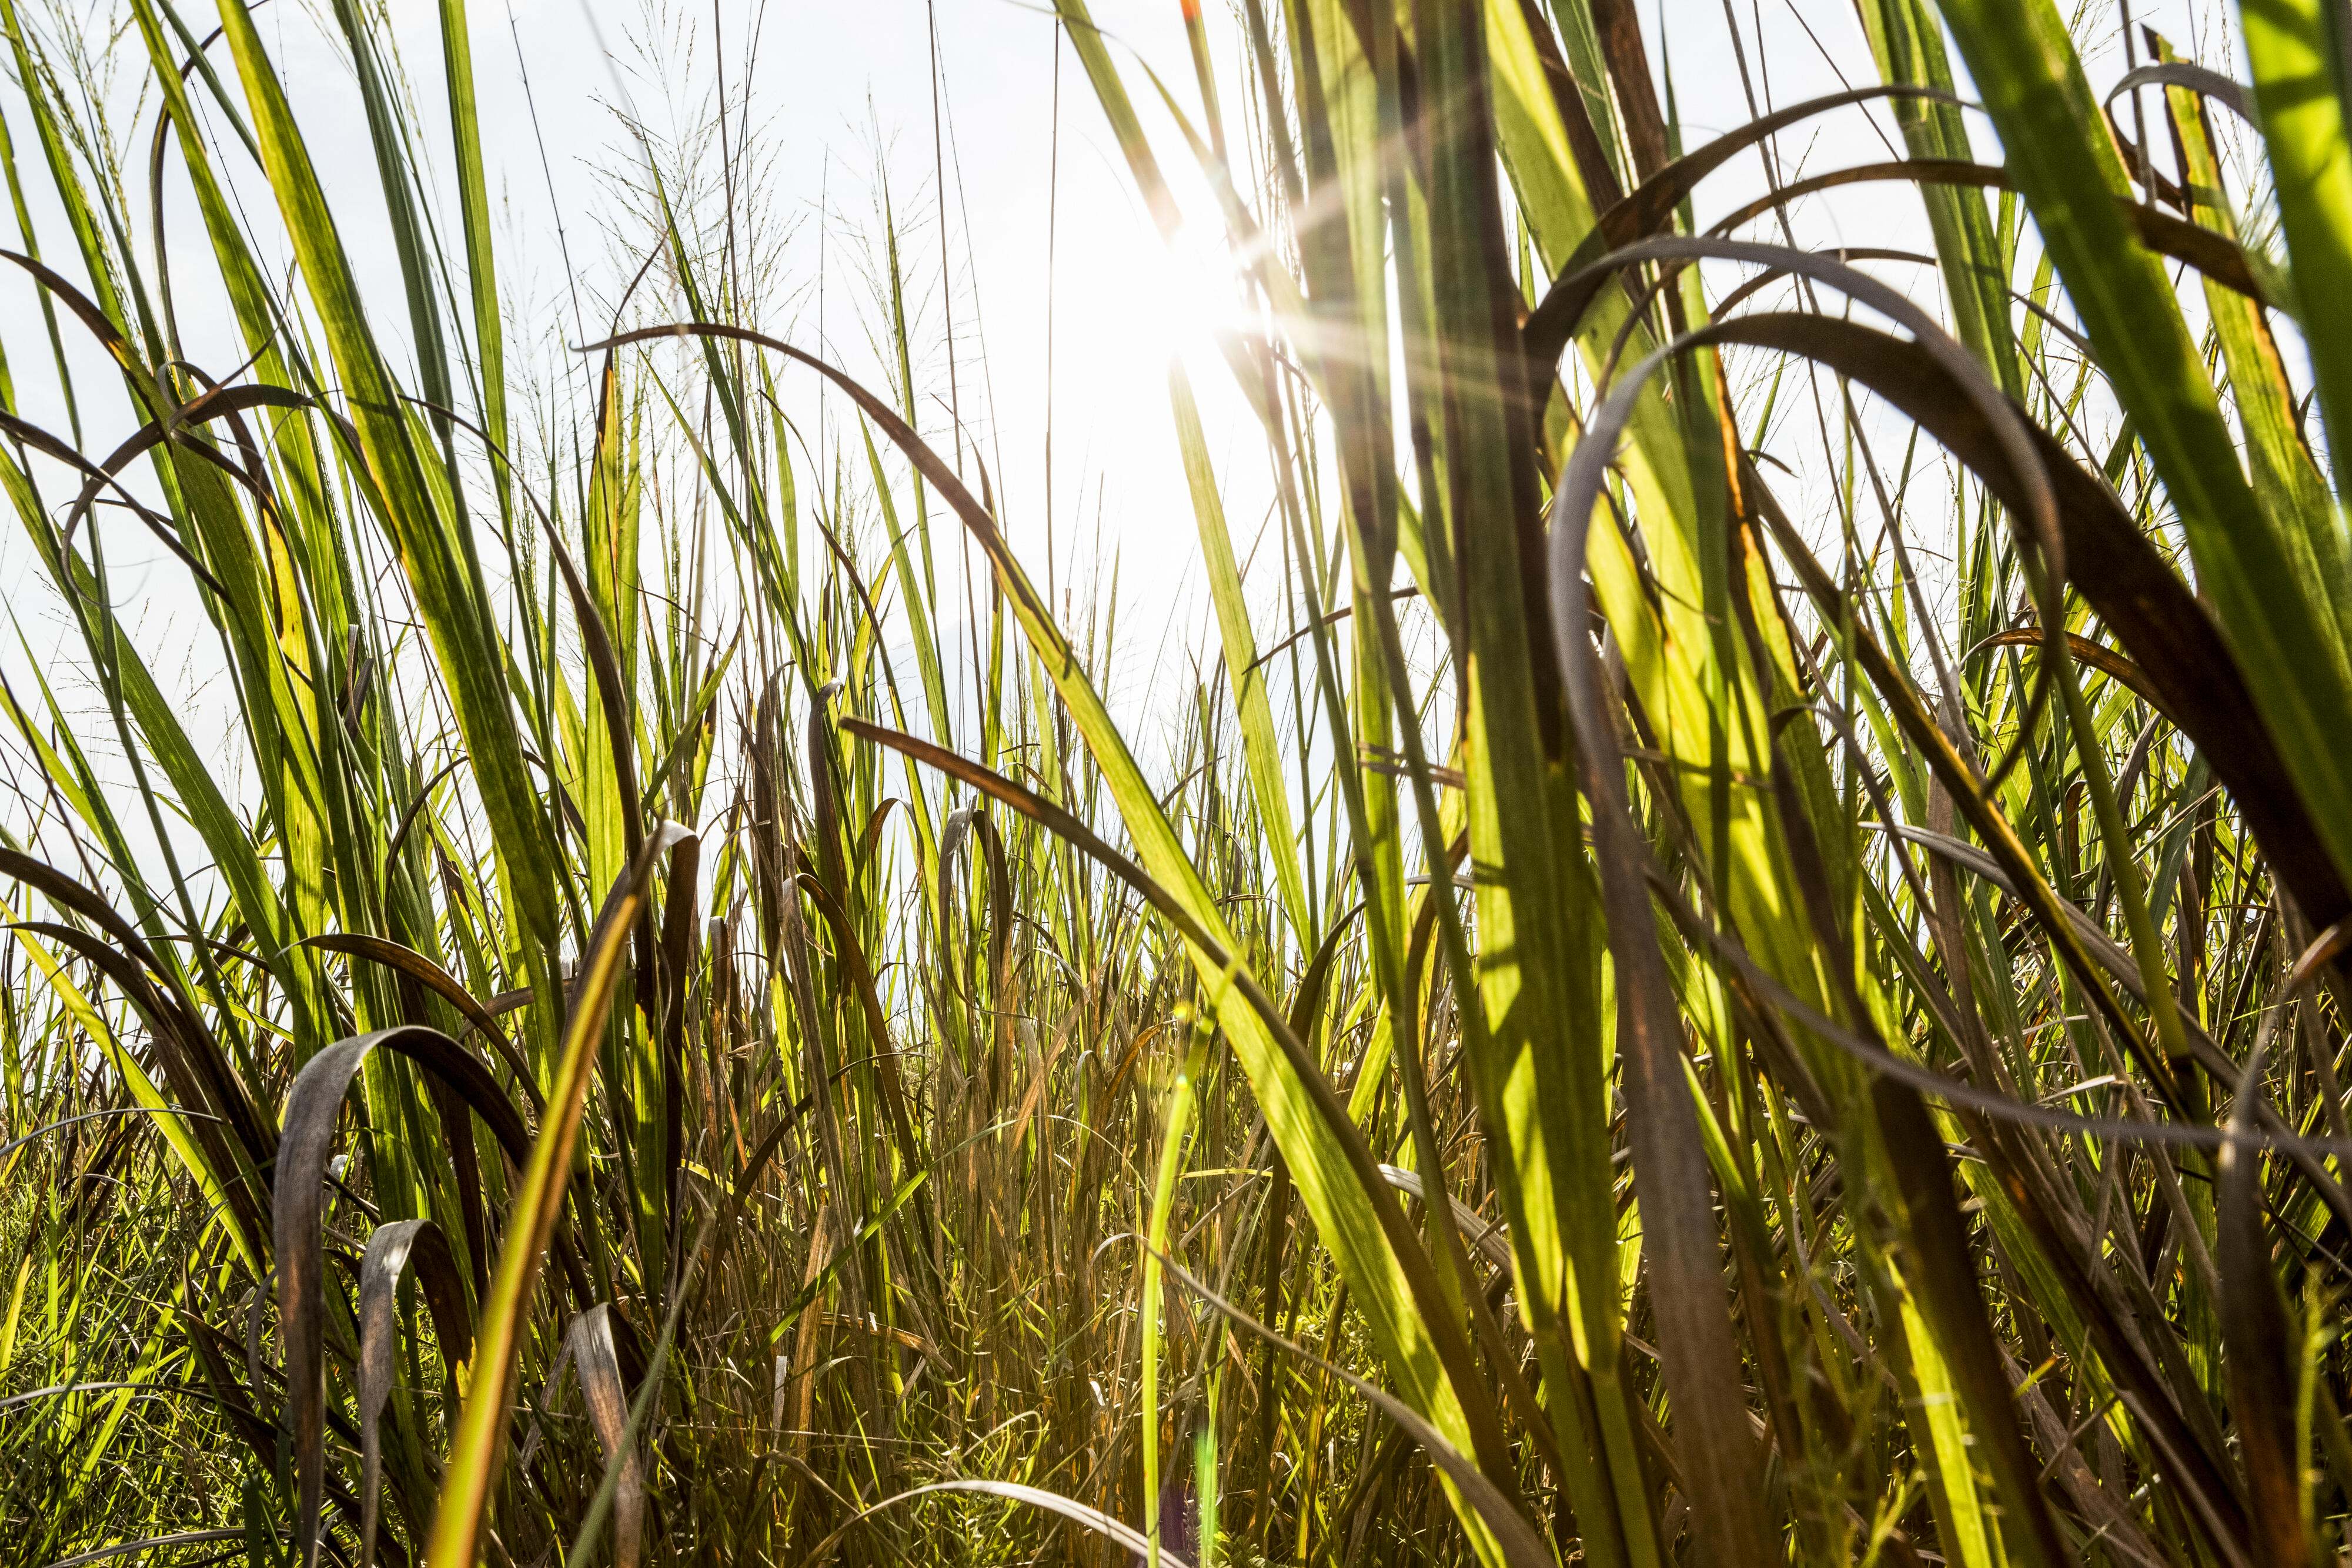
(1070, 1509)
(1522, 1546)
(2157, 619)
(390, 1251)
(2285, 623)
(297, 1215)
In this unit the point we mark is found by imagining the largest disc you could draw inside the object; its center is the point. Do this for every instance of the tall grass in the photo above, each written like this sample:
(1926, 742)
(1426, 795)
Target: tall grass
(699, 1036)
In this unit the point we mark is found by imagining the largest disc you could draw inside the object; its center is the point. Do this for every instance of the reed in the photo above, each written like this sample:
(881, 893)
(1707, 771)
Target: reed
(1654, 1010)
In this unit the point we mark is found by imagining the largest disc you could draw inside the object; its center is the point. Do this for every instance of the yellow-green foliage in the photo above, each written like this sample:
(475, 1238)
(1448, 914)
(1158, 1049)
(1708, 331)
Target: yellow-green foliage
(1635, 1023)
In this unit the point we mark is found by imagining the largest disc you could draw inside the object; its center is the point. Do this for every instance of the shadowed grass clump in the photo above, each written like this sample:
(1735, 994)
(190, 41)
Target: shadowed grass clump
(1802, 791)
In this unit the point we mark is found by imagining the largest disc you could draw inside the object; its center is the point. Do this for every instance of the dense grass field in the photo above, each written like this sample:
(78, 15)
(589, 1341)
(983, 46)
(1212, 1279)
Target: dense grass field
(1732, 950)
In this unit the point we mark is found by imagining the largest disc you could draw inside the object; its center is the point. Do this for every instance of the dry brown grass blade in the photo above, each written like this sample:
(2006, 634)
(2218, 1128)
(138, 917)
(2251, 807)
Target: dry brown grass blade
(681, 929)
(298, 1210)
(417, 966)
(2197, 79)
(41, 441)
(134, 966)
(2211, 255)
(596, 1360)
(680, 933)
(1000, 927)
(1651, 206)
(2255, 1331)
(390, 1251)
(190, 1058)
(2098, 657)
(110, 336)
(218, 402)
(2168, 634)
(2324, 949)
